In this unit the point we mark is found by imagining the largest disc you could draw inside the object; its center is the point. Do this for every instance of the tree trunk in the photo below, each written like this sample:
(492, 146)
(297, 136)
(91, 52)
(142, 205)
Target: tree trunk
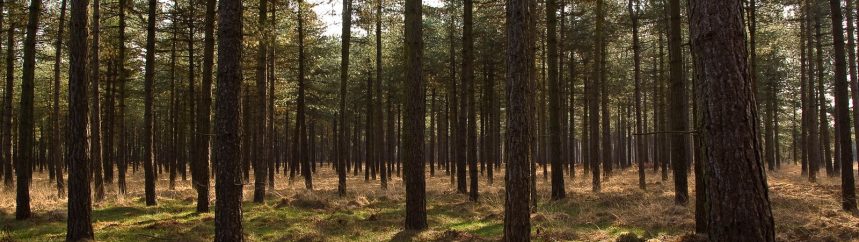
(228, 182)
(842, 112)
(414, 122)
(593, 100)
(636, 49)
(346, 38)
(148, 117)
(261, 160)
(95, 114)
(80, 203)
(201, 182)
(678, 111)
(558, 191)
(55, 119)
(24, 160)
(517, 225)
(737, 195)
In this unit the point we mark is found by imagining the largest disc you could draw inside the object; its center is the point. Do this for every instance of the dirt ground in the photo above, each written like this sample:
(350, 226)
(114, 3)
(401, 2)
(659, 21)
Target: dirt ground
(803, 211)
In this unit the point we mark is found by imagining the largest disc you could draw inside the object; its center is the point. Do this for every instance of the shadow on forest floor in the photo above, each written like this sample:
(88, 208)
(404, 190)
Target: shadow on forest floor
(803, 212)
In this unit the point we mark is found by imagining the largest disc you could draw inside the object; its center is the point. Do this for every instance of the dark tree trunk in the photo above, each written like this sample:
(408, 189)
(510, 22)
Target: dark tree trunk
(24, 160)
(558, 191)
(201, 182)
(517, 224)
(55, 119)
(148, 117)
(593, 100)
(302, 141)
(414, 122)
(468, 115)
(228, 182)
(80, 203)
(820, 98)
(842, 112)
(121, 149)
(342, 154)
(261, 160)
(678, 111)
(462, 120)
(95, 114)
(737, 196)
(636, 49)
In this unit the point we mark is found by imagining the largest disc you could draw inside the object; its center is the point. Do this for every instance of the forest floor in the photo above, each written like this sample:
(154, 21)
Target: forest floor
(803, 211)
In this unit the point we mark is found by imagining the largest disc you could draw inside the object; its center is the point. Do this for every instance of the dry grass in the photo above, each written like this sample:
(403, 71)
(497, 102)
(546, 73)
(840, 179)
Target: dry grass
(803, 212)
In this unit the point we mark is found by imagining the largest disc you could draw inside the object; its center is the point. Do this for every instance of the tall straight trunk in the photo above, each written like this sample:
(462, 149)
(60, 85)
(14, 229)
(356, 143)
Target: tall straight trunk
(842, 112)
(432, 134)
(7, 105)
(636, 49)
(271, 128)
(813, 139)
(122, 161)
(822, 103)
(228, 182)
(55, 119)
(517, 224)
(803, 89)
(369, 133)
(738, 199)
(79, 226)
(462, 121)
(678, 112)
(377, 100)
(414, 121)
(345, 40)
(593, 99)
(469, 117)
(191, 96)
(24, 160)
(453, 105)
(303, 155)
(261, 160)
(558, 191)
(201, 182)
(174, 104)
(95, 114)
(148, 116)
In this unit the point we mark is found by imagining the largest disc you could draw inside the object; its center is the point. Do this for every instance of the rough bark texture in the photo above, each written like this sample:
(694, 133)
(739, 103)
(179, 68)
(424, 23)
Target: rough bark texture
(842, 112)
(593, 101)
(228, 182)
(148, 113)
(346, 37)
(95, 113)
(201, 181)
(24, 160)
(517, 220)
(79, 226)
(413, 119)
(677, 106)
(555, 151)
(55, 119)
(261, 160)
(737, 191)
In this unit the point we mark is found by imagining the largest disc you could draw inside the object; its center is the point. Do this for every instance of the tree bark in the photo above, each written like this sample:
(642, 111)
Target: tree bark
(414, 122)
(737, 192)
(79, 225)
(24, 160)
(517, 225)
(228, 182)
(842, 112)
